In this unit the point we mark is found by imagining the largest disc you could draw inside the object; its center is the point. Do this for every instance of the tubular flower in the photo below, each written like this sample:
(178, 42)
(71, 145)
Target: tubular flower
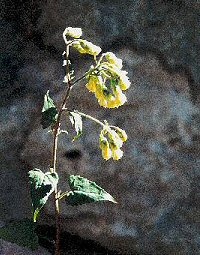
(108, 91)
(121, 133)
(74, 32)
(103, 95)
(115, 139)
(104, 145)
(113, 59)
(120, 97)
(117, 154)
(108, 97)
(124, 82)
(84, 46)
(111, 141)
(93, 82)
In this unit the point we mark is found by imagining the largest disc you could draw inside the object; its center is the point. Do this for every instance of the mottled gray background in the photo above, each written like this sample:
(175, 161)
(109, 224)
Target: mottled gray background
(157, 181)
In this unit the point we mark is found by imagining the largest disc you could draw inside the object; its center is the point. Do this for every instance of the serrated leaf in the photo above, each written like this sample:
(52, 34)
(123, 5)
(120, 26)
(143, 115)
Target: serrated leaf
(42, 185)
(49, 112)
(76, 121)
(85, 191)
(21, 233)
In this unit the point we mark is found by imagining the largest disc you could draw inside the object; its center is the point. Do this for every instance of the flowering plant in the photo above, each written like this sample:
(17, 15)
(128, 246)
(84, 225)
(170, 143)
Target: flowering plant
(107, 81)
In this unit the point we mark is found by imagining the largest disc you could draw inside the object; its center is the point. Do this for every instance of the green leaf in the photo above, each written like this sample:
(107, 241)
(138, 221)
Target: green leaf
(49, 112)
(42, 185)
(85, 191)
(114, 82)
(76, 121)
(20, 232)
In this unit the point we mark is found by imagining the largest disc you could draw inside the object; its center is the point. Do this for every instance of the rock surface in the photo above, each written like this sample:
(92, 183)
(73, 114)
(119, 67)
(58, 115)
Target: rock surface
(7, 248)
(157, 181)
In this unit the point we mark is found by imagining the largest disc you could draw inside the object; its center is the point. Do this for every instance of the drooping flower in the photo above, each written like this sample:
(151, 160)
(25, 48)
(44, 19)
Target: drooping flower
(113, 59)
(121, 133)
(115, 139)
(120, 97)
(104, 145)
(93, 81)
(113, 81)
(84, 46)
(111, 141)
(124, 82)
(117, 154)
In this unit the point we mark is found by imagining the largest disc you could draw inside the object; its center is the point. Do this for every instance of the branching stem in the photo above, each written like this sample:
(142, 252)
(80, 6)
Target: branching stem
(86, 116)
(56, 132)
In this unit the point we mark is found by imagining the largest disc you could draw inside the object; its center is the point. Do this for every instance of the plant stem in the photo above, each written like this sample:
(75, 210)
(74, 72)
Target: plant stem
(91, 118)
(86, 116)
(55, 146)
(56, 131)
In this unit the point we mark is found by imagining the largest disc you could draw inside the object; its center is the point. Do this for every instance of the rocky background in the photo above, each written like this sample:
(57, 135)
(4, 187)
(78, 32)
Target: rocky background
(156, 183)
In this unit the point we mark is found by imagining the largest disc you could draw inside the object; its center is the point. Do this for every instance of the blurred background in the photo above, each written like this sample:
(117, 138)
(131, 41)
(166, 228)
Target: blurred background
(156, 183)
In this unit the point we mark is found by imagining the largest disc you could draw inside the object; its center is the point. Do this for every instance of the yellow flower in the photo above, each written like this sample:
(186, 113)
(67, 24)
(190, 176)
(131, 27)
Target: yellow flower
(104, 146)
(102, 102)
(115, 140)
(99, 89)
(113, 69)
(116, 72)
(92, 83)
(120, 97)
(111, 144)
(90, 48)
(113, 59)
(112, 102)
(74, 32)
(117, 154)
(124, 82)
(106, 99)
(121, 133)
(78, 47)
(106, 152)
(84, 46)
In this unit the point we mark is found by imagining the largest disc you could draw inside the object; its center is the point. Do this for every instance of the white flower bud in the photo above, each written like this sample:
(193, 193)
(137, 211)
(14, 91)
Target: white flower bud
(74, 32)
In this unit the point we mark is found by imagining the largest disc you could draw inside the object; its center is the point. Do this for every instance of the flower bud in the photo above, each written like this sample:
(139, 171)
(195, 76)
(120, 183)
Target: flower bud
(74, 32)
(78, 47)
(90, 48)
(121, 133)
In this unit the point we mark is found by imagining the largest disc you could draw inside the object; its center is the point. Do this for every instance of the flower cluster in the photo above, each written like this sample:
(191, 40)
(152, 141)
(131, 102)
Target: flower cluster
(107, 81)
(110, 142)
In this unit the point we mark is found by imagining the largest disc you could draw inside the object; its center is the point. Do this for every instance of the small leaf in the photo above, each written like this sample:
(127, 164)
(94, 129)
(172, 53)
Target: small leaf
(76, 121)
(114, 83)
(21, 233)
(85, 191)
(42, 185)
(49, 112)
